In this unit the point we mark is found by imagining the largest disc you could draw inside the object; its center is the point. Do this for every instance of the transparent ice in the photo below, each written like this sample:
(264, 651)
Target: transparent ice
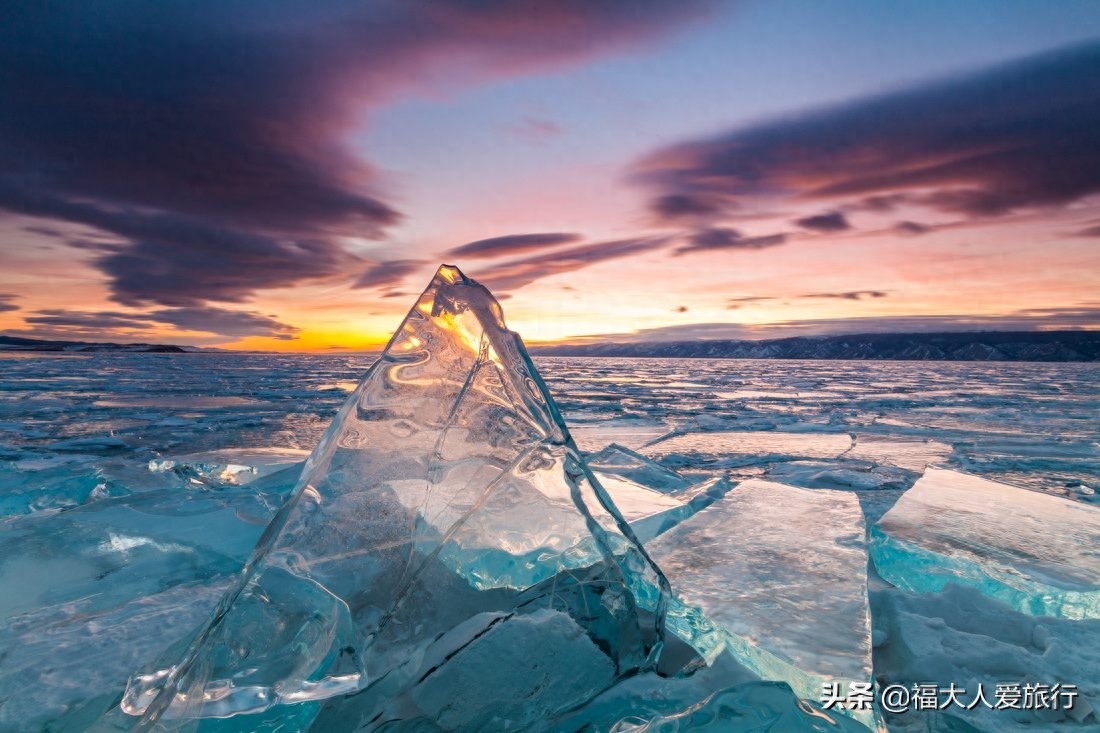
(738, 448)
(616, 461)
(445, 523)
(85, 609)
(1038, 553)
(230, 466)
(757, 564)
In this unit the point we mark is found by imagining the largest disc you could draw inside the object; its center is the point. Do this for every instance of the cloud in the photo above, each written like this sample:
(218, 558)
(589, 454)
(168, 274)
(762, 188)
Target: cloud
(1089, 232)
(512, 244)
(724, 238)
(879, 204)
(6, 304)
(517, 273)
(833, 221)
(735, 303)
(387, 274)
(674, 206)
(237, 118)
(1036, 319)
(912, 228)
(114, 325)
(1022, 135)
(225, 322)
(849, 295)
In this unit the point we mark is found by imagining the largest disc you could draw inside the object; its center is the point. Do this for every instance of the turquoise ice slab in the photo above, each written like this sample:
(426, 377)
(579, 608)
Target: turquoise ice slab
(92, 592)
(715, 699)
(1036, 552)
(445, 518)
(776, 575)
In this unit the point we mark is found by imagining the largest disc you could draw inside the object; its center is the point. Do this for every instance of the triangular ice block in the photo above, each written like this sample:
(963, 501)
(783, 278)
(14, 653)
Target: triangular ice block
(445, 512)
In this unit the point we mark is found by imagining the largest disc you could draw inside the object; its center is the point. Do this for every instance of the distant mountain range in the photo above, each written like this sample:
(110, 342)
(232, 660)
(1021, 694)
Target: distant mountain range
(14, 343)
(973, 346)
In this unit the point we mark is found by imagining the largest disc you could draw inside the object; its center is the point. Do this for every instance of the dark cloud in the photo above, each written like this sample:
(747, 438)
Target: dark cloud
(1026, 134)
(517, 273)
(234, 117)
(107, 325)
(735, 303)
(1089, 232)
(45, 231)
(848, 295)
(834, 221)
(1036, 319)
(224, 322)
(6, 304)
(912, 228)
(682, 309)
(724, 238)
(387, 274)
(880, 203)
(55, 318)
(179, 260)
(677, 206)
(513, 244)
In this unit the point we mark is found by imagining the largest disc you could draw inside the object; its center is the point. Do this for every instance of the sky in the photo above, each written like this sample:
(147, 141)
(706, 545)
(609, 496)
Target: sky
(277, 175)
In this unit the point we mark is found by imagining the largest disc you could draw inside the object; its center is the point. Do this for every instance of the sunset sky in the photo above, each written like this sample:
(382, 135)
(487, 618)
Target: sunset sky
(287, 176)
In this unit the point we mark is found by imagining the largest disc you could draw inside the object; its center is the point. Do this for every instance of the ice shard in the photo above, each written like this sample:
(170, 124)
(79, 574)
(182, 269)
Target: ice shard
(446, 519)
(776, 575)
(230, 466)
(652, 498)
(1036, 552)
(91, 592)
(616, 461)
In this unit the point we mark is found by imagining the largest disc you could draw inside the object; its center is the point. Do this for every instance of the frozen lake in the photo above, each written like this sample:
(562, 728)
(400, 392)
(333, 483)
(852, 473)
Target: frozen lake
(841, 423)
(80, 505)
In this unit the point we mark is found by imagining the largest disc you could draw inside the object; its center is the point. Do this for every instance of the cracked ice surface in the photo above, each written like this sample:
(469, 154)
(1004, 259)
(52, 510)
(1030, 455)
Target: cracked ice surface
(78, 430)
(444, 516)
(906, 453)
(735, 447)
(781, 571)
(1038, 553)
(592, 438)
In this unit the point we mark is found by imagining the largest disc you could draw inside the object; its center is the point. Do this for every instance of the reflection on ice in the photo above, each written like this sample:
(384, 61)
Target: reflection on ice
(907, 453)
(1036, 552)
(781, 571)
(592, 438)
(755, 446)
